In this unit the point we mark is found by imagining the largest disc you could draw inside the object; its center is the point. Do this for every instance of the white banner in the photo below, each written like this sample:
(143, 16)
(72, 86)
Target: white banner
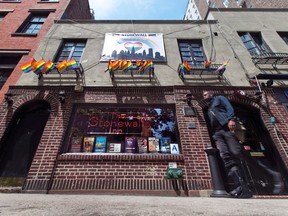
(130, 46)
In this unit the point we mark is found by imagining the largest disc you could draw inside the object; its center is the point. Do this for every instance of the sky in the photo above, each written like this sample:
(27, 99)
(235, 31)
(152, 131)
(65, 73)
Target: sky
(139, 9)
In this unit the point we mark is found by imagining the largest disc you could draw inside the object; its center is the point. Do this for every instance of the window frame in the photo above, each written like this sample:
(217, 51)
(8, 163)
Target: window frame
(256, 41)
(59, 57)
(30, 22)
(79, 109)
(10, 1)
(197, 55)
(284, 36)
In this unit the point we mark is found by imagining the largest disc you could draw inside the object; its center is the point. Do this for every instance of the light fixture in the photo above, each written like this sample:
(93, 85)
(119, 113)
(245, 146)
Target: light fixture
(62, 96)
(188, 99)
(8, 99)
(269, 83)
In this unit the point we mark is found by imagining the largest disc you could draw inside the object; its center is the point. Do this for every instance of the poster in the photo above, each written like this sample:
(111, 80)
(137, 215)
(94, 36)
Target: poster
(100, 144)
(88, 144)
(133, 46)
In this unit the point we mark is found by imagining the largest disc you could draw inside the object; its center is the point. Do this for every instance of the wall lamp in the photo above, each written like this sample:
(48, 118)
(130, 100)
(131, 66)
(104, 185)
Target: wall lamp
(269, 83)
(189, 111)
(62, 96)
(8, 99)
(188, 99)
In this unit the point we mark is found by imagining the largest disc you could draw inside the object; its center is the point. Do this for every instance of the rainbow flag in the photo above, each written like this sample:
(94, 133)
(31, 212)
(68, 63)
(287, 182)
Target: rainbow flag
(115, 65)
(61, 66)
(108, 66)
(48, 67)
(138, 64)
(186, 68)
(72, 64)
(122, 64)
(146, 65)
(143, 66)
(207, 64)
(27, 67)
(38, 66)
(127, 66)
(149, 65)
(222, 68)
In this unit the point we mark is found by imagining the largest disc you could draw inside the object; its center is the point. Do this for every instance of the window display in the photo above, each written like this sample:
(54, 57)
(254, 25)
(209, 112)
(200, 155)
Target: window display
(123, 129)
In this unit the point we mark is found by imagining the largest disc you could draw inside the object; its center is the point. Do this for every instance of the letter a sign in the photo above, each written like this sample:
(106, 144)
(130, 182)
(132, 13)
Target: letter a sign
(174, 148)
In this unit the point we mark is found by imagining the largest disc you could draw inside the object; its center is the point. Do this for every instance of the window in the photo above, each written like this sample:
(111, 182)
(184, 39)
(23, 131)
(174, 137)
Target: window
(2, 15)
(226, 3)
(284, 36)
(9, 0)
(192, 52)
(122, 129)
(34, 24)
(71, 49)
(254, 43)
(7, 64)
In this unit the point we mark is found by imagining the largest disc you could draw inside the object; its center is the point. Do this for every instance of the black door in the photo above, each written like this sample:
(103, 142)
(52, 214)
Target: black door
(21, 139)
(262, 170)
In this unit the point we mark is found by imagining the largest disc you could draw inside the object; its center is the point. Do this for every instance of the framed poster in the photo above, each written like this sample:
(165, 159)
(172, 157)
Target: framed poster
(133, 46)
(100, 144)
(88, 144)
(165, 144)
(130, 144)
(114, 147)
(153, 144)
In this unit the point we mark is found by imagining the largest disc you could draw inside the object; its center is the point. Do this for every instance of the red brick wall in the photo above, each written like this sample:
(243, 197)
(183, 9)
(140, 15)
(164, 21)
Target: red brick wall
(78, 10)
(13, 21)
(125, 173)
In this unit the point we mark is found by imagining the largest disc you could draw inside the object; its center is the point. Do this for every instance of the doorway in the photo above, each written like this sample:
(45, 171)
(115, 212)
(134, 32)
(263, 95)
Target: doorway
(21, 138)
(260, 171)
(265, 160)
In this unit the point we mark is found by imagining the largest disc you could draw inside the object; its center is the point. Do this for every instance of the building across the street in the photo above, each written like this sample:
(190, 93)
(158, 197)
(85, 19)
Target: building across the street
(197, 9)
(116, 106)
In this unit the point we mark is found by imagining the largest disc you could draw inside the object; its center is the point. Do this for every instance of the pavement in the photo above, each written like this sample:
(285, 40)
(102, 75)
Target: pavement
(24, 204)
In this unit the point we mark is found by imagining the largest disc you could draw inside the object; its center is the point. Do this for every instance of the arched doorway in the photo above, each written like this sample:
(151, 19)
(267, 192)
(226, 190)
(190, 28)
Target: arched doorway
(261, 170)
(264, 160)
(21, 138)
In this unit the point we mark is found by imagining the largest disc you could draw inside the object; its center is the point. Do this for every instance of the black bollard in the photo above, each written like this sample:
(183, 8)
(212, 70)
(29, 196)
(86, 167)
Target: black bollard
(217, 181)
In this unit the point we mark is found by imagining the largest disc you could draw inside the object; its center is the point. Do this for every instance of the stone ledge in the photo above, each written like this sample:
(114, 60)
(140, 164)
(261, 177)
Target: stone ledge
(10, 189)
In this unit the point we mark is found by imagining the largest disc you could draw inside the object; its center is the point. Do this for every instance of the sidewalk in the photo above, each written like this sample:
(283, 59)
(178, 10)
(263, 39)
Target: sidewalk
(54, 204)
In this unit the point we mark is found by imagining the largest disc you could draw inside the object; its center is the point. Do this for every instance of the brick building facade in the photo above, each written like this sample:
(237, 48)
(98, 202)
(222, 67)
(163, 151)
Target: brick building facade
(82, 102)
(18, 42)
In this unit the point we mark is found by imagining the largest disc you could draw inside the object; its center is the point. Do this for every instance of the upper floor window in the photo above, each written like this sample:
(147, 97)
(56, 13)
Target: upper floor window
(33, 24)
(254, 43)
(9, 0)
(71, 49)
(8, 62)
(226, 3)
(284, 36)
(2, 15)
(192, 51)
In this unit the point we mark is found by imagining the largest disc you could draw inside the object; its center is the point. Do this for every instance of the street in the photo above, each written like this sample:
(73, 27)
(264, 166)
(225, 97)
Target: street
(90, 204)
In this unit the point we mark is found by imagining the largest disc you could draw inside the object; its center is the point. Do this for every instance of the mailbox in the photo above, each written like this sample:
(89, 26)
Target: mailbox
(174, 173)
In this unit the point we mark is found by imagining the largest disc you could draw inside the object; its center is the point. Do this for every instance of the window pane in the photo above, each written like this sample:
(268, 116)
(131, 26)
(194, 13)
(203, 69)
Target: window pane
(192, 50)
(71, 50)
(118, 123)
